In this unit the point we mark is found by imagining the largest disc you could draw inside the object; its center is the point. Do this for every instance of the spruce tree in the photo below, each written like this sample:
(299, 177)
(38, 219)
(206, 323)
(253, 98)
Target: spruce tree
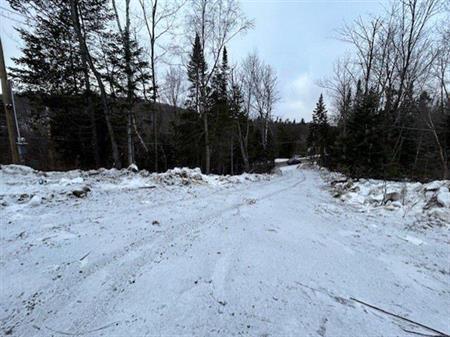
(196, 102)
(319, 129)
(365, 153)
(196, 72)
(220, 118)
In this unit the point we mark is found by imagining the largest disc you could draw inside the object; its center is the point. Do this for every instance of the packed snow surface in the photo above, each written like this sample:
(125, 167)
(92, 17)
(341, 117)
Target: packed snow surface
(124, 253)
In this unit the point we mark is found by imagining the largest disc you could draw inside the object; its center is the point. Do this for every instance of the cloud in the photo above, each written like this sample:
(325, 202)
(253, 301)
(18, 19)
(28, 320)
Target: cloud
(298, 98)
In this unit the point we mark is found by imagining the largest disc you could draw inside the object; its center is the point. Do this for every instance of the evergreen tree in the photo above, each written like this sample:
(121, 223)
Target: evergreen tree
(221, 121)
(319, 129)
(364, 152)
(50, 62)
(196, 72)
(53, 74)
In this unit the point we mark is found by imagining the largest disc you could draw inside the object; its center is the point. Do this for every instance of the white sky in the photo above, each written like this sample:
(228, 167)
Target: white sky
(297, 38)
(294, 36)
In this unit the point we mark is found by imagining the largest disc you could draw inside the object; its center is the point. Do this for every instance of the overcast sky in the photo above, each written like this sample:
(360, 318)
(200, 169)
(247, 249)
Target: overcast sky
(294, 36)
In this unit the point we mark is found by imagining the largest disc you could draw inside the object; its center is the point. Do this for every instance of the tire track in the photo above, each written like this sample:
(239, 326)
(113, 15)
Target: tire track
(148, 249)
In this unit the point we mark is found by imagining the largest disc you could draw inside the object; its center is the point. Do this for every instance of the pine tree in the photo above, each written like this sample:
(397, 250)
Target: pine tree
(196, 72)
(50, 62)
(198, 94)
(53, 74)
(318, 131)
(365, 153)
(220, 118)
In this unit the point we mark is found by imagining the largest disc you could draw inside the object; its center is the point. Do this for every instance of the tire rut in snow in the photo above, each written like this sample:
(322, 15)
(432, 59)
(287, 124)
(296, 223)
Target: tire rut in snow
(148, 252)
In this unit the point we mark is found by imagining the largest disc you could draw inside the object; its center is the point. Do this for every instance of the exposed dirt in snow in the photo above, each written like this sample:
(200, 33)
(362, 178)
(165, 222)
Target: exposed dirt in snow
(186, 254)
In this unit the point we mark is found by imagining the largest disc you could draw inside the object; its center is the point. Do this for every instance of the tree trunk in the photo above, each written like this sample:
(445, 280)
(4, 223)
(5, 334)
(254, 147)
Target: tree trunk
(106, 110)
(154, 85)
(441, 155)
(130, 89)
(243, 148)
(155, 135)
(130, 139)
(231, 156)
(207, 148)
(90, 112)
(94, 137)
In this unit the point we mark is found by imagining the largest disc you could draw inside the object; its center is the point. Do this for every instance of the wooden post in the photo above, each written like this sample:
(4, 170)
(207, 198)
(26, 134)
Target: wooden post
(7, 102)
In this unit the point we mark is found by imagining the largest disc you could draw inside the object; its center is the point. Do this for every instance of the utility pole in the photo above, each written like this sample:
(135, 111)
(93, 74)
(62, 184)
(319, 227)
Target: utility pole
(7, 102)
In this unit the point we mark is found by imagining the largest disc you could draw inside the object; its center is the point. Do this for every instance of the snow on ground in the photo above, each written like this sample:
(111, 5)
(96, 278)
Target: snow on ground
(180, 253)
(421, 204)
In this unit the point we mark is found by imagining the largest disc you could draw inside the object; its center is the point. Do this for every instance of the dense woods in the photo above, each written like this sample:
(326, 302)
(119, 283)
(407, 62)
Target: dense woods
(93, 93)
(95, 90)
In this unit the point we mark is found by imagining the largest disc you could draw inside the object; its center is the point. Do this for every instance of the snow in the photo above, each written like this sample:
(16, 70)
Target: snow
(133, 168)
(35, 200)
(182, 253)
(421, 204)
(443, 197)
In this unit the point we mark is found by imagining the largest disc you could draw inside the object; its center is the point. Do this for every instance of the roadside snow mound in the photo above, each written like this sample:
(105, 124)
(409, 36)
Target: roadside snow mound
(180, 176)
(24, 185)
(429, 201)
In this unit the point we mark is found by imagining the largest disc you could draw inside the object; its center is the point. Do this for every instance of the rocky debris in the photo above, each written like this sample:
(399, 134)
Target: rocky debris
(81, 193)
(392, 196)
(24, 197)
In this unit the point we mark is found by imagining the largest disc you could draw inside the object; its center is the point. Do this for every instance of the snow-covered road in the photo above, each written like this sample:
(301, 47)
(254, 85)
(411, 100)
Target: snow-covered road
(276, 257)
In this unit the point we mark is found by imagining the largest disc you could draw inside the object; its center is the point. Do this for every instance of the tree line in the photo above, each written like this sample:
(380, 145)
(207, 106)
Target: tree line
(390, 96)
(118, 82)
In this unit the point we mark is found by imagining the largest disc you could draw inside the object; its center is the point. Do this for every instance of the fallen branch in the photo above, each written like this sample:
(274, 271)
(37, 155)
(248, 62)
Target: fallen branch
(420, 333)
(84, 332)
(441, 334)
(85, 256)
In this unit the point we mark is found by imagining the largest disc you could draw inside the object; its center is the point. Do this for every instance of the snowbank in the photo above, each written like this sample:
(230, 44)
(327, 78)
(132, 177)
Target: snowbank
(24, 185)
(428, 203)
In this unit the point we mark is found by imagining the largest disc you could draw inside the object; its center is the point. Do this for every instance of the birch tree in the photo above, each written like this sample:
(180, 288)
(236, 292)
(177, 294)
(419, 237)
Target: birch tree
(216, 23)
(160, 18)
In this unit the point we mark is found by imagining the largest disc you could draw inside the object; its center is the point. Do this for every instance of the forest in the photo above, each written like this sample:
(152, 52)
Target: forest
(391, 99)
(93, 93)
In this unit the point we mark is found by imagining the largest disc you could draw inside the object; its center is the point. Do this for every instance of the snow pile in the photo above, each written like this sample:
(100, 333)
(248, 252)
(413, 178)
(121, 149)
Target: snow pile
(180, 176)
(422, 201)
(24, 185)
(220, 257)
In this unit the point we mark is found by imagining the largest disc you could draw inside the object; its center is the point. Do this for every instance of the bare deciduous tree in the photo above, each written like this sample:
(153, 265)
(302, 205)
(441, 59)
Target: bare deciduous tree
(173, 88)
(216, 23)
(160, 18)
(260, 90)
